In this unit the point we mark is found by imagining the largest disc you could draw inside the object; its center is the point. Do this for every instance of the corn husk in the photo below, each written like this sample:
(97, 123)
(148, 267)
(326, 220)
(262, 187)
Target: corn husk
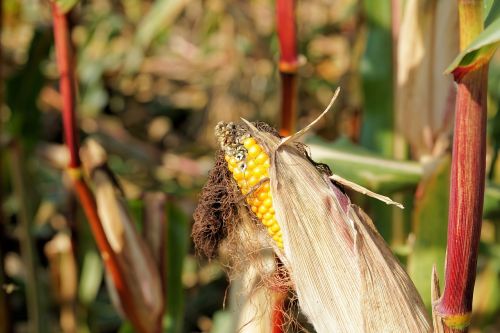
(140, 297)
(345, 276)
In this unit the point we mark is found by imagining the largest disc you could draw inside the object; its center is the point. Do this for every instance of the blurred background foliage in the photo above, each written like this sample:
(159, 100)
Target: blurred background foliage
(155, 76)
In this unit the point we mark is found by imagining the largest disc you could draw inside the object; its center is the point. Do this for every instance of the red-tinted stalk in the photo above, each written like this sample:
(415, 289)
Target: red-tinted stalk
(65, 65)
(288, 65)
(285, 18)
(467, 181)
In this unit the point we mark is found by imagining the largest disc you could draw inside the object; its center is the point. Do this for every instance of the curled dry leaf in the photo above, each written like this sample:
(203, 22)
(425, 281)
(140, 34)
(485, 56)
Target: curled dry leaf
(424, 95)
(142, 300)
(344, 274)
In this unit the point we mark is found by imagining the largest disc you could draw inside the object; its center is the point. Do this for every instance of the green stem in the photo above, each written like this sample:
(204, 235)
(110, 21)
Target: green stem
(26, 239)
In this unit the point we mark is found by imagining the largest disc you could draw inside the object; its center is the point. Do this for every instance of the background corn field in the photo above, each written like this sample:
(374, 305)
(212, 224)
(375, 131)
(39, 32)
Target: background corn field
(155, 77)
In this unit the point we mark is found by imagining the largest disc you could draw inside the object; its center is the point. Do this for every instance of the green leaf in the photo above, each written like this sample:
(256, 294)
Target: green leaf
(491, 202)
(430, 218)
(23, 89)
(364, 167)
(66, 5)
(377, 79)
(176, 247)
(481, 49)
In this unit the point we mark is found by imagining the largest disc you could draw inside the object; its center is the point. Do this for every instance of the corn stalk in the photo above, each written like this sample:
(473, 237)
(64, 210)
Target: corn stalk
(121, 274)
(288, 65)
(467, 177)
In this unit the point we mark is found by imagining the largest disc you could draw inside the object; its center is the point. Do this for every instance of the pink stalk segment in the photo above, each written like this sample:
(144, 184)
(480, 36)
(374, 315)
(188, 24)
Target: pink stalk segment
(288, 65)
(467, 181)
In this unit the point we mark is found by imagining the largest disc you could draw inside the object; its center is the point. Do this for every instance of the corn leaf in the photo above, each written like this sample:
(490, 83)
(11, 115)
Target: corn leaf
(482, 48)
(66, 5)
(427, 44)
(176, 247)
(376, 71)
(366, 168)
(491, 201)
(429, 227)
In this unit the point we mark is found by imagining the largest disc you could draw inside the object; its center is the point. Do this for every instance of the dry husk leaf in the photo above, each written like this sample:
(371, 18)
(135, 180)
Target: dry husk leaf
(345, 276)
(144, 303)
(425, 97)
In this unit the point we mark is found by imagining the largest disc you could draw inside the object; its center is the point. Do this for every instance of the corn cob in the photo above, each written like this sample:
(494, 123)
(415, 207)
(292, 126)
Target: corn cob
(249, 165)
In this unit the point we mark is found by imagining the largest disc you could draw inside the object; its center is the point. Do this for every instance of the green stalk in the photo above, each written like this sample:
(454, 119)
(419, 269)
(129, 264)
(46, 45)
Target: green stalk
(4, 314)
(467, 180)
(26, 240)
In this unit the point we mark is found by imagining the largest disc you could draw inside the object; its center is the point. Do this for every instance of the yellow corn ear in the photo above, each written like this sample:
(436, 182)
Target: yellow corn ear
(248, 173)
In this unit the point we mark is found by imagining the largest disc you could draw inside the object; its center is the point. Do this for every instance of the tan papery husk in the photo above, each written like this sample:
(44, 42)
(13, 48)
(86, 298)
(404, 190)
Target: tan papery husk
(345, 276)
(134, 259)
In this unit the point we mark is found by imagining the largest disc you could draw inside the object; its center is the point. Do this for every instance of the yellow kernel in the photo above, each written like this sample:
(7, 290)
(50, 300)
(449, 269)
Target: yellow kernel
(252, 181)
(251, 164)
(259, 171)
(237, 174)
(262, 209)
(270, 232)
(277, 238)
(254, 151)
(262, 195)
(280, 244)
(261, 158)
(266, 164)
(268, 202)
(275, 228)
(268, 216)
(271, 210)
(259, 215)
(255, 209)
(256, 202)
(248, 142)
(230, 167)
(267, 222)
(266, 187)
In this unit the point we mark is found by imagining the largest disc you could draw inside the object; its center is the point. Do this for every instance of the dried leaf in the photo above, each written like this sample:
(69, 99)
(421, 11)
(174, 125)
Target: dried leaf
(143, 299)
(346, 278)
(424, 96)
